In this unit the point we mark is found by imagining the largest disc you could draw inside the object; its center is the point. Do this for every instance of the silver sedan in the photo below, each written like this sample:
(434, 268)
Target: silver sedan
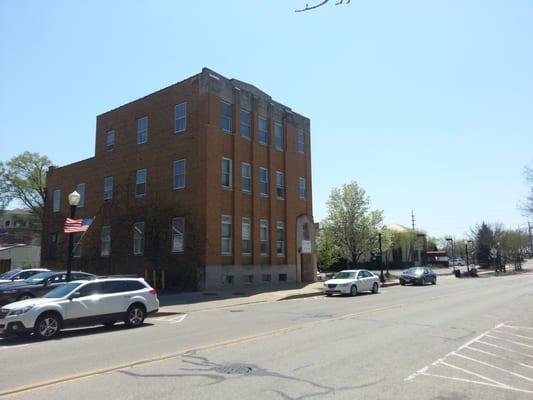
(352, 281)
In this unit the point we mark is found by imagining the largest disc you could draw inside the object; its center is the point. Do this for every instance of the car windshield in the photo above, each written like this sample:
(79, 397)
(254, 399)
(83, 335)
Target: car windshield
(345, 275)
(39, 277)
(62, 291)
(9, 274)
(415, 271)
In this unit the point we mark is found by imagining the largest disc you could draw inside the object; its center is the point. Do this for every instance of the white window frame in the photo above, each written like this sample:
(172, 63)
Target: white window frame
(177, 236)
(108, 194)
(80, 188)
(139, 183)
(138, 238)
(302, 191)
(278, 136)
(263, 182)
(263, 237)
(56, 202)
(142, 133)
(301, 142)
(226, 118)
(247, 131)
(228, 174)
(226, 241)
(261, 132)
(280, 243)
(280, 189)
(110, 144)
(246, 178)
(246, 236)
(105, 241)
(175, 175)
(182, 108)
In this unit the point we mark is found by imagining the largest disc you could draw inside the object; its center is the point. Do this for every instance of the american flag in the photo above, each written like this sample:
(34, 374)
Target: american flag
(77, 225)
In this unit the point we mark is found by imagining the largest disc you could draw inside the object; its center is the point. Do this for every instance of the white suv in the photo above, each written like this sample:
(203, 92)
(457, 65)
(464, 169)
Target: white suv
(102, 300)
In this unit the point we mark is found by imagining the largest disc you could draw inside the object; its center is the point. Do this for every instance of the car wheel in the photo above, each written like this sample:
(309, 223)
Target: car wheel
(434, 281)
(135, 315)
(375, 287)
(402, 283)
(353, 290)
(47, 326)
(25, 296)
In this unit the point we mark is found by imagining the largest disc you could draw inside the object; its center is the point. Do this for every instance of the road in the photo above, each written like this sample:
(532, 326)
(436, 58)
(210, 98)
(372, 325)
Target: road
(460, 339)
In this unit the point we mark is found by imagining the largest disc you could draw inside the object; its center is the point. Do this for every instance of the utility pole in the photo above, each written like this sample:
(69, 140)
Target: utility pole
(413, 219)
(382, 277)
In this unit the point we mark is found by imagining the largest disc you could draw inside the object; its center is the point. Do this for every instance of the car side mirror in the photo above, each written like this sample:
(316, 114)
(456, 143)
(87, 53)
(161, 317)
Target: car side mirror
(75, 295)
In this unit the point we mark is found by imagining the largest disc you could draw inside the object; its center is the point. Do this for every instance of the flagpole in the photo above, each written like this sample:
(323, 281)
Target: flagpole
(83, 235)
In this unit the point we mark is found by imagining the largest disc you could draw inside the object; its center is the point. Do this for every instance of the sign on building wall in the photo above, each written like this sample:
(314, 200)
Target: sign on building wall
(306, 246)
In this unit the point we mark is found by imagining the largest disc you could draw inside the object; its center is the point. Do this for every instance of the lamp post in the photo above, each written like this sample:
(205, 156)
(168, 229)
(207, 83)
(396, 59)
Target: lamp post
(73, 200)
(382, 277)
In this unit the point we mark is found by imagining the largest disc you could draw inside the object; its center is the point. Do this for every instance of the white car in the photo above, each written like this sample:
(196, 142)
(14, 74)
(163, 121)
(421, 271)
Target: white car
(19, 274)
(352, 281)
(78, 303)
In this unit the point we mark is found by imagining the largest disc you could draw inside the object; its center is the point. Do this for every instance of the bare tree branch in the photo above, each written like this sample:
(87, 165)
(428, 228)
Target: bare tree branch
(312, 7)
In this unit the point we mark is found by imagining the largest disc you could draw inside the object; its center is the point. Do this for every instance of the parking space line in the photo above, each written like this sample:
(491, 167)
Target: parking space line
(493, 366)
(503, 348)
(510, 341)
(515, 335)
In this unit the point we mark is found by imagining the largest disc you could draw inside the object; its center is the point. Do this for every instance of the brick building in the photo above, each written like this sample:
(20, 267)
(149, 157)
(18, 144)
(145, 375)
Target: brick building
(202, 184)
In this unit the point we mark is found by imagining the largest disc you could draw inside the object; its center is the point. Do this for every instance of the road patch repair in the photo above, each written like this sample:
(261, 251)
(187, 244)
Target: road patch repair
(501, 357)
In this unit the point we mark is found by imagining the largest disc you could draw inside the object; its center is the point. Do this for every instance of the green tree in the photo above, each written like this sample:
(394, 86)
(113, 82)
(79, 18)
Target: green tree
(327, 250)
(485, 240)
(24, 178)
(5, 196)
(350, 222)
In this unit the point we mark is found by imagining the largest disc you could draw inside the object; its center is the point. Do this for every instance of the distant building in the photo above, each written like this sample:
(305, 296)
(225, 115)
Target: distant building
(202, 184)
(20, 256)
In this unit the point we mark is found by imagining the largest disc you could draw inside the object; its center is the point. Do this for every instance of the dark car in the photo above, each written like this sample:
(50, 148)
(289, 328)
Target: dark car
(418, 276)
(19, 274)
(37, 285)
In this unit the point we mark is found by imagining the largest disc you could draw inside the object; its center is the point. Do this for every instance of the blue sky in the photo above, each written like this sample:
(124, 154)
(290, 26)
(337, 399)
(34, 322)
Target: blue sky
(427, 104)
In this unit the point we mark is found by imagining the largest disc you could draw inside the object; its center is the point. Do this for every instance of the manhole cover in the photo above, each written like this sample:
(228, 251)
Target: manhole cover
(235, 369)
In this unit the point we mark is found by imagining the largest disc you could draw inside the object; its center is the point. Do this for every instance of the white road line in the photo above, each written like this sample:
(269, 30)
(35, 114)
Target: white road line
(511, 341)
(518, 327)
(479, 383)
(503, 348)
(494, 366)
(499, 357)
(514, 334)
(172, 318)
(472, 373)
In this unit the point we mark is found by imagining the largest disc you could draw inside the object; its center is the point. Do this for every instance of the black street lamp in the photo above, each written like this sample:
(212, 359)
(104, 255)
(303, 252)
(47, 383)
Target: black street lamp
(73, 200)
(450, 243)
(382, 277)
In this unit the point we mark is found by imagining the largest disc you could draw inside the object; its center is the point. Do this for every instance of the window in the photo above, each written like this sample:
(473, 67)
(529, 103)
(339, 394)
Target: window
(246, 236)
(226, 118)
(246, 129)
(105, 239)
(262, 130)
(225, 178)
(226, 235)
(76, 245)
(246, 181)
(138, 239)
(81, 190)
(278, 136)
(110, 140)
(108, 188)
(280, 238)
(305, 231)
(178, 228)
(52, 251)
(263, 181)
(179, 174)
(140, 182)
(180, 117)
(282, 277)
(142, 130)
(280, 184)
(263, 237)
(301, 142)
(57, 200)
(301, 188)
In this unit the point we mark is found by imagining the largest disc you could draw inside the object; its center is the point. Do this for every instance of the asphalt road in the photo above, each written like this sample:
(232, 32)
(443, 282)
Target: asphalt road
(460, 339)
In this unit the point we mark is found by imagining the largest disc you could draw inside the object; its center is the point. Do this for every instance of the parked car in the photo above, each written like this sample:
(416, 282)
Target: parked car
(458, 262)
(37, 285)
(19, 274)
(81, 303)
(418, 276)
(351, 282)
